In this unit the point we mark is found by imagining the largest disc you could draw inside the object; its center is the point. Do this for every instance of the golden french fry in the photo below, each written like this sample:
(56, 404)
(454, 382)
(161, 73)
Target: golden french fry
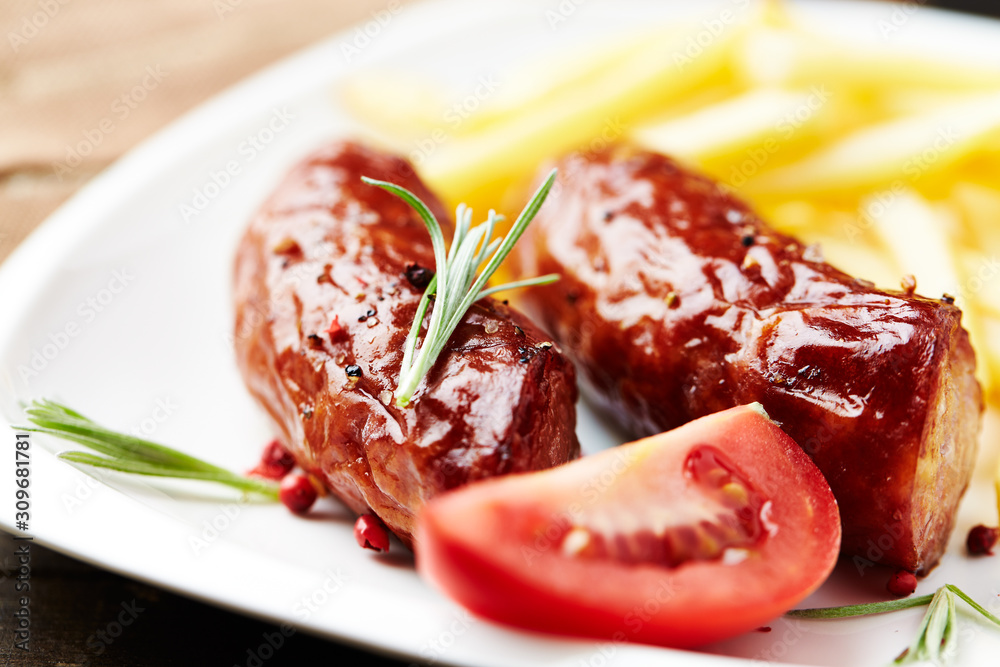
(379, 97)
(536, 84)
(794, 216)
(981, 269)
(979, 208)
(897, 102)
(917, 236)
(989, 356)
(795, 57)
(601, 110)
(762, 118)
(902, 151)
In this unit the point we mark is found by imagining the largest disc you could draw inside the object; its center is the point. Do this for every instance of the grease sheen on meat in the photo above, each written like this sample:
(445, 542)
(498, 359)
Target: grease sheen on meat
(500, 398)
(677, 301)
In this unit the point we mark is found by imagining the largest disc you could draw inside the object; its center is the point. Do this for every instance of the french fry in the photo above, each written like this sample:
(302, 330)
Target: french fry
(602, 109)
(979, 207)
(536, 84)
(904, 150)
(996, 482)
(989, 356)
(757, 119)
(897, 102)
(796, 57)
(378, 97)
(917, 237)
(982, 280)
(795, 216)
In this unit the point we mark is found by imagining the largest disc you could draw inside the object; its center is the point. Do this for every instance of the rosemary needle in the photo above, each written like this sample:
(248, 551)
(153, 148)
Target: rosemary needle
(853, 610)
(456, 285)
(126, 453)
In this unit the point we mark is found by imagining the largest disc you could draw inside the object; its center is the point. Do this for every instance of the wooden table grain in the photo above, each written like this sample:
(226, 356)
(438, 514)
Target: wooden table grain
(82, 81)
(72, 73)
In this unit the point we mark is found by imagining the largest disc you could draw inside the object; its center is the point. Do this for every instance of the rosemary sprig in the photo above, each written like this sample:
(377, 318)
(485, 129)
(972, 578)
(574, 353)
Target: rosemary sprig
(852, 610)
(455, 286)
(938, 632)
(937, 638)
(126, 453)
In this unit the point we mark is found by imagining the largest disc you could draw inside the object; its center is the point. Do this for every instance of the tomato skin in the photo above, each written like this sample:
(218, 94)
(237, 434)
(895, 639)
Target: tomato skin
(495, 546)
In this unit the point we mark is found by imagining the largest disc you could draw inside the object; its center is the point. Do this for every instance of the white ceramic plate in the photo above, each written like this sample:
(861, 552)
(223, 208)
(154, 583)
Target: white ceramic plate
(120, 306)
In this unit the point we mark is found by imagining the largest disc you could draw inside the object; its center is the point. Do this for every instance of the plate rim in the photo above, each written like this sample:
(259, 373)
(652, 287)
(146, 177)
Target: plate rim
(54, 239)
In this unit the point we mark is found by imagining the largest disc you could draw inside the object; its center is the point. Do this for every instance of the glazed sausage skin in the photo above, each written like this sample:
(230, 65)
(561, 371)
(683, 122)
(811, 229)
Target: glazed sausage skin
(676, 301)
(327, 246)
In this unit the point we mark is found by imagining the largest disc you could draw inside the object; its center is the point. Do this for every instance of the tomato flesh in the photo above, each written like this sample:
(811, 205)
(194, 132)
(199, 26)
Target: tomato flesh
(688, 537)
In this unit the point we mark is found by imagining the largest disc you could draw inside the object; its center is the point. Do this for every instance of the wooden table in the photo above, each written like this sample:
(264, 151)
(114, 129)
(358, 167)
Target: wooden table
(63, 68)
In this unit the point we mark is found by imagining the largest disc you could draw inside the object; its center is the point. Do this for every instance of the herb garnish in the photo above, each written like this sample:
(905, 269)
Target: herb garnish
(455, 286)
(937, 638)
(126, 453)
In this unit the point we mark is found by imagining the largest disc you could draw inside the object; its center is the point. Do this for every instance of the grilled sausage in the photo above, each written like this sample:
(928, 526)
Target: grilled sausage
(677, 301)
(323, 306)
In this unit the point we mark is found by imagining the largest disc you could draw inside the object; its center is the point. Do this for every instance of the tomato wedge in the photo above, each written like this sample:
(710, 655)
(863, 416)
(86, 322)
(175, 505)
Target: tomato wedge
(681, 539)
